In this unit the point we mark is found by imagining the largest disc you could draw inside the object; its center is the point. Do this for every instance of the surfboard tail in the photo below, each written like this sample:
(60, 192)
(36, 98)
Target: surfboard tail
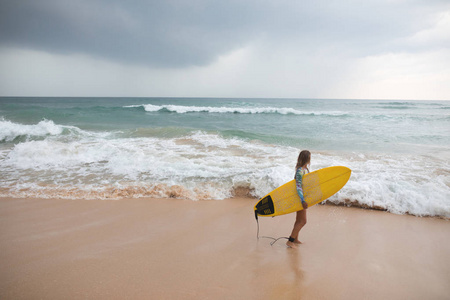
(265, 207)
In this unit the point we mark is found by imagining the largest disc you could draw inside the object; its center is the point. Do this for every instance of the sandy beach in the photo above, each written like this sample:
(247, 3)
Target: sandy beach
(181, 249)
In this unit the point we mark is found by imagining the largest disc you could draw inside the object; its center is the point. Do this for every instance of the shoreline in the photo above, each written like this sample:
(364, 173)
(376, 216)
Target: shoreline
(171, 249)
(243, 194)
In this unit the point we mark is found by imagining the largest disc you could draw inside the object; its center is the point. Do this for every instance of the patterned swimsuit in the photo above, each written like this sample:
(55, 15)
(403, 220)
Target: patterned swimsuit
(298, 181)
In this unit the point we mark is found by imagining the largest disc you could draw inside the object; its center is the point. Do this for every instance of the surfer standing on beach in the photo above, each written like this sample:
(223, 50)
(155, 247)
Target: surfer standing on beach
(303, 161)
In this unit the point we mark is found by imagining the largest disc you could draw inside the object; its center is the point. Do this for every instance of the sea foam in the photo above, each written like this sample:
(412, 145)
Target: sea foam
(200, 165)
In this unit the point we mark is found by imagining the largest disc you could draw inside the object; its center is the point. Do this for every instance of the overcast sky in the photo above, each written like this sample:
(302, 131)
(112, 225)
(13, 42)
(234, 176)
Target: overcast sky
(371, 49)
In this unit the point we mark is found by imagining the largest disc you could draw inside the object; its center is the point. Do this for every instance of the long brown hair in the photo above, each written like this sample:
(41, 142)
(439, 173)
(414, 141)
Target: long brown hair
(304, 158)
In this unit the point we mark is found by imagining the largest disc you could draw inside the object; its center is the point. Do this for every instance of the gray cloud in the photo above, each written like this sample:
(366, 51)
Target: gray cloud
(174, 34)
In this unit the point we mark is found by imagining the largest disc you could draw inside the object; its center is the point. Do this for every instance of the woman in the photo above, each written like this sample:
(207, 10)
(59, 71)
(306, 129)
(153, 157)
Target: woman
(304, 159)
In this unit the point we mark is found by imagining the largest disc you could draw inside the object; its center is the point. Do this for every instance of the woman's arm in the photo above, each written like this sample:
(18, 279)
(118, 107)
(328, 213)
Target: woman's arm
(298, 181)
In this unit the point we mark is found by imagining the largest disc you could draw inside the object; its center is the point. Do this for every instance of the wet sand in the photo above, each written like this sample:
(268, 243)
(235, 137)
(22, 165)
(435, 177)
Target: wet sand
(181, 249)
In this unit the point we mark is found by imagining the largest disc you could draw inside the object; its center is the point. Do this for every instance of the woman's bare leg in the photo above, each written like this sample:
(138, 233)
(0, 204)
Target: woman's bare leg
(300, 221)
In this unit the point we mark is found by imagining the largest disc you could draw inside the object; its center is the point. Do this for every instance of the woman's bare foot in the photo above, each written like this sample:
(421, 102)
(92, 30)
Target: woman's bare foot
(297, 242)
(291, 244)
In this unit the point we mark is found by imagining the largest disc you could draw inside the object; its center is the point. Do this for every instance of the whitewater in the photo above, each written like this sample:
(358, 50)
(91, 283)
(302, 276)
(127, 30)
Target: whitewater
(213, 149)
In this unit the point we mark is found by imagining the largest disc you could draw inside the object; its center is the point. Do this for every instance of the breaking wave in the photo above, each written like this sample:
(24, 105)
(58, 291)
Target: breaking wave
(9, 131)
(224, 110)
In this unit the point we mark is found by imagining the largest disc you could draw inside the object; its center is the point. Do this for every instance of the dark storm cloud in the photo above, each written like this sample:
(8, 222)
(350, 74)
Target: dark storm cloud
(164, 33)
(183, 33)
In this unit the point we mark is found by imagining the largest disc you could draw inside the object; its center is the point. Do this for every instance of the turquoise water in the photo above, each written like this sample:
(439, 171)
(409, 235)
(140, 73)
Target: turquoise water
(208, 148)
(316, 124)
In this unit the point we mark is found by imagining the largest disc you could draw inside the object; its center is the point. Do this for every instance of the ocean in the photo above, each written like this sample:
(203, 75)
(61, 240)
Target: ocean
(213, 149)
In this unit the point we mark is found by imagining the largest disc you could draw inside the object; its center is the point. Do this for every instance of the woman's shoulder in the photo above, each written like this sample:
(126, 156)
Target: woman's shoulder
(300, 171)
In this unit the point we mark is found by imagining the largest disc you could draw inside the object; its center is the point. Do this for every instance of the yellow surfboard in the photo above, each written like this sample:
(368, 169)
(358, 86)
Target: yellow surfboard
(317, 187)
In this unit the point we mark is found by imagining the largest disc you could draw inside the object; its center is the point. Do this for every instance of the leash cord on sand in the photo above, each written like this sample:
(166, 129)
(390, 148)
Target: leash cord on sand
(267, 237)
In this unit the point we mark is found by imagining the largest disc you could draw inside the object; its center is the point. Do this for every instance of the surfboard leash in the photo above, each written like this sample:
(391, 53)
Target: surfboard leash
(266, 237)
